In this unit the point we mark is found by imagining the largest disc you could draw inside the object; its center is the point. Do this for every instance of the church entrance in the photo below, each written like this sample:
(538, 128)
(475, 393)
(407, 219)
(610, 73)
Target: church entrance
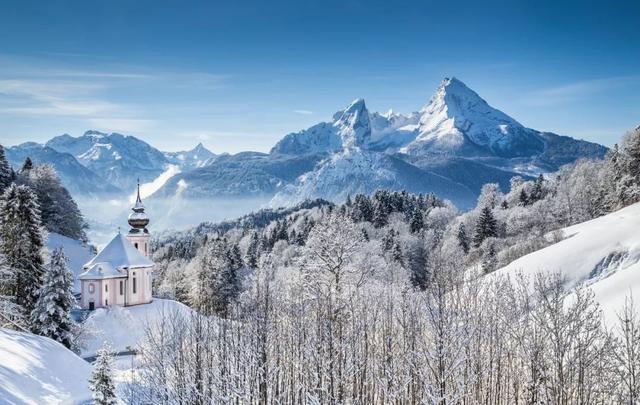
(92, 306)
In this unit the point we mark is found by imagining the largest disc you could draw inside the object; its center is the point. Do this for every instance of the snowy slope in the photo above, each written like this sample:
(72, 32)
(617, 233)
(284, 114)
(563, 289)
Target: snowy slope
(356, 171)
(38, 370)
(78, 253)
(603, 253)
(124, 327)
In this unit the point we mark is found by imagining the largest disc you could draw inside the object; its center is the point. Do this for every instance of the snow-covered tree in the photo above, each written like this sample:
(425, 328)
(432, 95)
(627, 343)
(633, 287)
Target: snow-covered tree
(463, 238)
(101, 382)
(58, 211)
(50, 317)
(21, 242)
(627, 353)
(5, 171)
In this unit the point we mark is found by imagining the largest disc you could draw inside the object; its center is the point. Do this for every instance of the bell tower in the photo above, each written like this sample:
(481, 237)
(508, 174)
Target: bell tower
(138, 220)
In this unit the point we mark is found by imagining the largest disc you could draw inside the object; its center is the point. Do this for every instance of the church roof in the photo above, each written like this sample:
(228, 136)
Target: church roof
(120, 253)
(100, 271)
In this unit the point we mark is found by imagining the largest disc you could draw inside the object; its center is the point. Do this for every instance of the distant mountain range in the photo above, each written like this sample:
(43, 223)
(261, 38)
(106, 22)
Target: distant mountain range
(452, 146)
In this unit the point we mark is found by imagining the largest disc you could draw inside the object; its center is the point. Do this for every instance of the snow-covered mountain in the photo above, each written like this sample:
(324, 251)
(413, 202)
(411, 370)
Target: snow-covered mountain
(457, 137)
(457, 120)
(603, 253)
(246, 174)
(75, 177)
(118, 158)
(355, 171)
(191, 159)
(451, 146)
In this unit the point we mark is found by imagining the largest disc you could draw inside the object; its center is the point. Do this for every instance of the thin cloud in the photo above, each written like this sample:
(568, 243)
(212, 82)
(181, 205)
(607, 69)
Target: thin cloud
(303, 112)
(124, 125)
(578, 90)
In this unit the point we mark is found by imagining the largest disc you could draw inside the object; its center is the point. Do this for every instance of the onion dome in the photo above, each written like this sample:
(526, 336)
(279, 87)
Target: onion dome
(138, 219)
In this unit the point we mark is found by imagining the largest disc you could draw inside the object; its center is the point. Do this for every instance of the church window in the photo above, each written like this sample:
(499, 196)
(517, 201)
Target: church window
(121, 287)
(136, 245)
(134, 285)
(106, 288)
(92, 288)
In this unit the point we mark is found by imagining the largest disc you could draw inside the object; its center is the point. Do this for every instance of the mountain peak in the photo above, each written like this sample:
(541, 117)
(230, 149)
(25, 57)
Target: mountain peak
(93, 132)
(353, 124)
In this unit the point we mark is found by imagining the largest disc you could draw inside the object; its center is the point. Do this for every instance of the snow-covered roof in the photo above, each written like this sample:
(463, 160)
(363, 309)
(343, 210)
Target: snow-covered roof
(100, 271)
(120, 253)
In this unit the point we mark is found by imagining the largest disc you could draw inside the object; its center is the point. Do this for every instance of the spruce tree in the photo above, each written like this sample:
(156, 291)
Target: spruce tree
(632, 150)
(21, 242)
(523, 198)
(26, 166)
(486, 227)
(253, 251)
(101, 382)
(463, 239)
(5, 171)
(417, 223)
(537, 192)
(50, 317)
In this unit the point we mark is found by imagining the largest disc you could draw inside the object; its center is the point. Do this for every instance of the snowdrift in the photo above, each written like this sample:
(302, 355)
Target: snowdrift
(123, 327)
(38, 370)
(603, 253)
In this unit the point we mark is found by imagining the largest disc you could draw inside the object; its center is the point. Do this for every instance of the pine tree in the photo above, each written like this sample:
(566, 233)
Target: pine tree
(26, 166)
(523, 198)
(362, 209)
(537, 192)
(417, 223)
(50, 317)
(486, 227)
(253, 251)
(101, 382)
(21, 244)
(381, 209)
(5, 171)
(632, 150)
(463, 239)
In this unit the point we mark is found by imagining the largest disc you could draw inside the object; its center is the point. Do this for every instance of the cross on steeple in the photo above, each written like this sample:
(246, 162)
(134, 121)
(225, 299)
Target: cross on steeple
(138, 199)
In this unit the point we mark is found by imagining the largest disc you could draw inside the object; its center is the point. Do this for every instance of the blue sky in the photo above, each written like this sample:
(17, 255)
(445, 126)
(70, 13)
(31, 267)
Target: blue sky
(240, 75)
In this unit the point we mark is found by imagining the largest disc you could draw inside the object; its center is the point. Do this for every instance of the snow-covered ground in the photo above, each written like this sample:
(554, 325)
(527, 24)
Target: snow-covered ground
(38, 370)
(77, 252)
(123, 327)
(603, 253)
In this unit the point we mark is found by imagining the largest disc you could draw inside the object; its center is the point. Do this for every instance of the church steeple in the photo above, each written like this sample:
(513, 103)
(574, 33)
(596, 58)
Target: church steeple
(138, 219)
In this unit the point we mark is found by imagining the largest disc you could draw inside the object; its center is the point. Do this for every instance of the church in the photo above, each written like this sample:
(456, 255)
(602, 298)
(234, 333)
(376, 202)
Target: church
(121, 273)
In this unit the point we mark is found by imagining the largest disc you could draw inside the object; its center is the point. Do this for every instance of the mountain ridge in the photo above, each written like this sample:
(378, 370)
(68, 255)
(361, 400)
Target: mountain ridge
(456, 135)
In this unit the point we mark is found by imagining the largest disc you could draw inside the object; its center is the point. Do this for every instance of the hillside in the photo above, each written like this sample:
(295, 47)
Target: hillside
(36, 370)
(124, 328)
(603, 253)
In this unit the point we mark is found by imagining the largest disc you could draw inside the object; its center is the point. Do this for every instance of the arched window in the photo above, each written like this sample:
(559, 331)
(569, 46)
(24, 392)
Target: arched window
(92, 288)
(136, 245)
(135, 284)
